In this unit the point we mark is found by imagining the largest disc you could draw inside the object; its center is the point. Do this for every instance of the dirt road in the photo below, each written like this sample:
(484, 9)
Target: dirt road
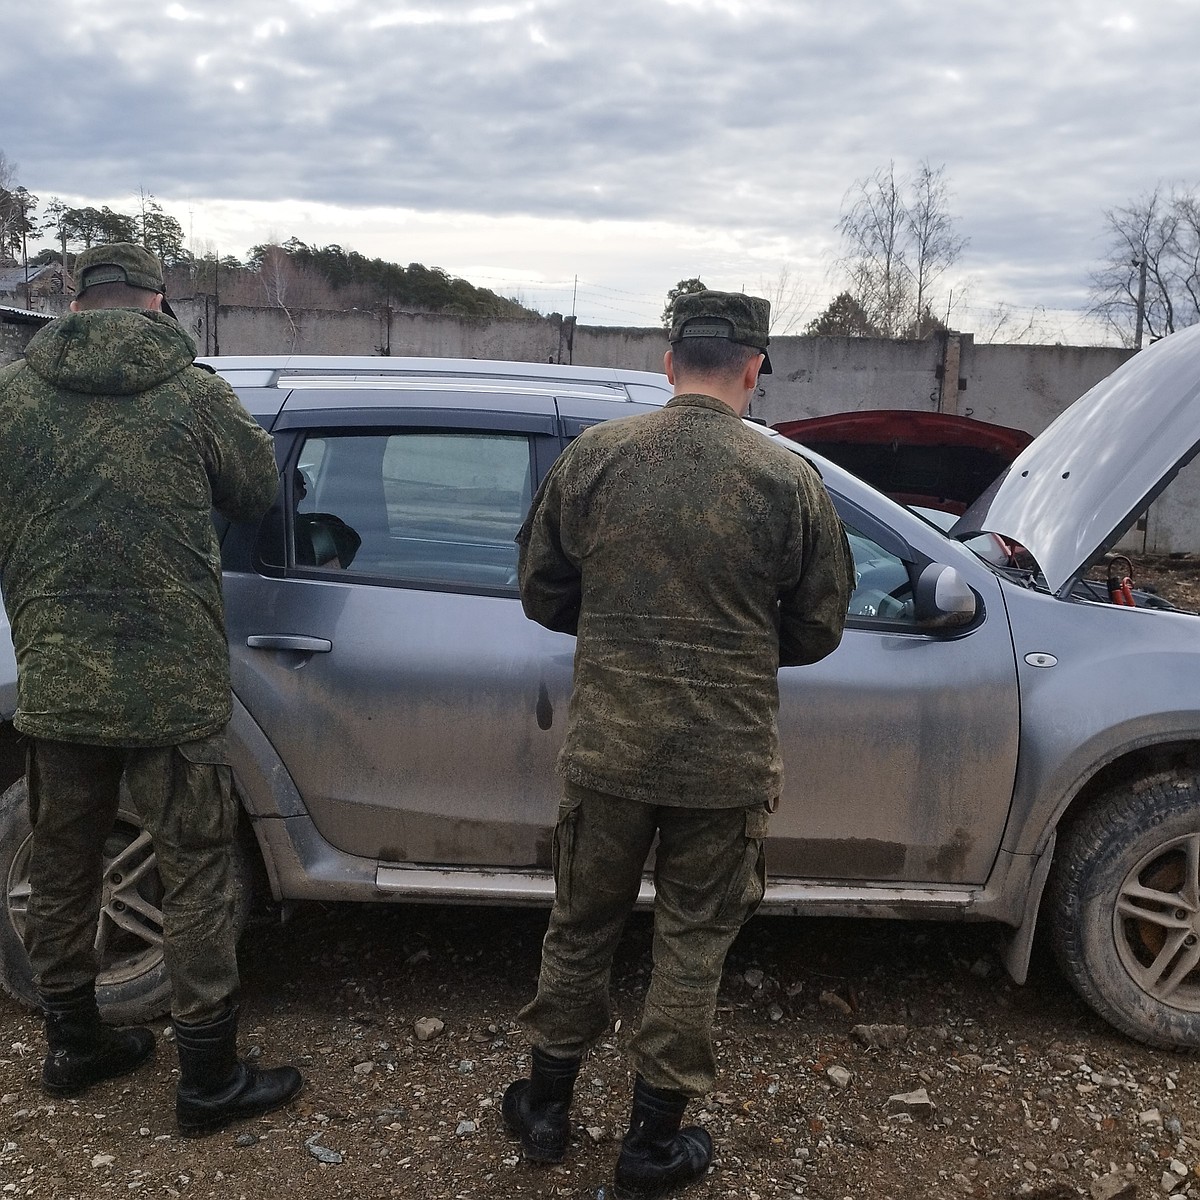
(1033, 1095)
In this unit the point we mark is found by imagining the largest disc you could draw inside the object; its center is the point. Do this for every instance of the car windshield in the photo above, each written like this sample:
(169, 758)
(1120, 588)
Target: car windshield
(988, 546)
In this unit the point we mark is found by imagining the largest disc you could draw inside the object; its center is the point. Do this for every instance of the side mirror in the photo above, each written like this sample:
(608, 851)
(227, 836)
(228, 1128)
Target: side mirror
(942, 598)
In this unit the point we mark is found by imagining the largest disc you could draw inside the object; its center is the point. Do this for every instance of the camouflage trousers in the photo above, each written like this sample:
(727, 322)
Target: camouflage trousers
(183, 797)
(709, 877)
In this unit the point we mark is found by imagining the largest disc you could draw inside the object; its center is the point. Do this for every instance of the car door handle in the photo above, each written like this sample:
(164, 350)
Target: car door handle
(289, 641)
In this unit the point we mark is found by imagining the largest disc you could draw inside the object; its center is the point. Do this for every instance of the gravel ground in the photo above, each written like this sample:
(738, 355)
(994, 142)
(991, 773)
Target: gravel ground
(858, 1059)
(1028, 1093)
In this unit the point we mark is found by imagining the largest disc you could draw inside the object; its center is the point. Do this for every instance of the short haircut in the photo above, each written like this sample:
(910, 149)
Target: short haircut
(711, 356)
(115, 295)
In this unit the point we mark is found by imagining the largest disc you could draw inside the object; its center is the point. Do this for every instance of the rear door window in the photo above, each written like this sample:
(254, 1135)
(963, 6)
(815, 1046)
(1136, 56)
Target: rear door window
(433, 508)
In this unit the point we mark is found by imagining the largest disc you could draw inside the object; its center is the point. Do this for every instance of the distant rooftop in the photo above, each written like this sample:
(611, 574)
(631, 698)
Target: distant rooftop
(11, 314)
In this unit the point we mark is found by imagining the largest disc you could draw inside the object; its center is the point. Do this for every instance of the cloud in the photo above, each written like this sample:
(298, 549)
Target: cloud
(735, 125)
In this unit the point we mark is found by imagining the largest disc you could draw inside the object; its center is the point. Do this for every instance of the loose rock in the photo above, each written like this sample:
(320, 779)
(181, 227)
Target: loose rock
(833, 1000)
(880, 1037)
(322, 1153)
(427, 1028)
(914, 1104)
(1114, 1186)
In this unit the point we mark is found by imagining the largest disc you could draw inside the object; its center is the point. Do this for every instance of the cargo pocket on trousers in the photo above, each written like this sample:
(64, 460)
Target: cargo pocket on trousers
(204, 789)
(749, 885)
(563, 853)
(212, 750)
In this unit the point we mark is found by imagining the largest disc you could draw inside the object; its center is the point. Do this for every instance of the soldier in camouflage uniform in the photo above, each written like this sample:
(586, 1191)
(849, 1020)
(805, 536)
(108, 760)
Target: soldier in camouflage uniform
(692, 558)
(116, 448)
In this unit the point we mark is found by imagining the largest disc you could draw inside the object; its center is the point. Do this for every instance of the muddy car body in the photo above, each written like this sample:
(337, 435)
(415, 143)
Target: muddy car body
(982, 729)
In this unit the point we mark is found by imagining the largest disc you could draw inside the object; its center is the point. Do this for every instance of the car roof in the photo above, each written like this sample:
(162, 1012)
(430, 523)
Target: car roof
(268, 370)
(266, 383)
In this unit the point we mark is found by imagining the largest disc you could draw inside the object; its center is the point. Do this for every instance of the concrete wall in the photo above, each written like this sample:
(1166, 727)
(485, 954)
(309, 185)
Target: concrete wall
(15, 332)
(1028, 386)
(812, 377)
(12, 342)
(237, 330)
(1022, 386)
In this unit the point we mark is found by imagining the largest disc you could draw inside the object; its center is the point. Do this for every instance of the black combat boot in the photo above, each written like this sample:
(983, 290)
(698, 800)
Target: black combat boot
(657, 1156)
(82, 1051)
(215, 1087)
(537, 1109)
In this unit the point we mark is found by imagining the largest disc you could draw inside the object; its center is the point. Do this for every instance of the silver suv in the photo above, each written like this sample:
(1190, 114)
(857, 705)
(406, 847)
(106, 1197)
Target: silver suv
(989, 742)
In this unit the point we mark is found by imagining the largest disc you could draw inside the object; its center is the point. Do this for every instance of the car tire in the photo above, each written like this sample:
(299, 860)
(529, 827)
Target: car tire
(1125, 907)
(132, 985)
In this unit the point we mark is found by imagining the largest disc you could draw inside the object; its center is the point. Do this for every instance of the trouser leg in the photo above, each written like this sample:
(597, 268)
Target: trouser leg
(73, 798)
(185, 799)
(600, 848)
(709, 879)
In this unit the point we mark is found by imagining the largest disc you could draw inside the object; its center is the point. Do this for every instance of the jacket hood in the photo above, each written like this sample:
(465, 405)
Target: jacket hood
(1072, 493)
(110, 351)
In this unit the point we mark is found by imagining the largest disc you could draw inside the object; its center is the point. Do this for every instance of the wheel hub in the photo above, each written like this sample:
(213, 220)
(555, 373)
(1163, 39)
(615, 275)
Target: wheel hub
(1157, 923)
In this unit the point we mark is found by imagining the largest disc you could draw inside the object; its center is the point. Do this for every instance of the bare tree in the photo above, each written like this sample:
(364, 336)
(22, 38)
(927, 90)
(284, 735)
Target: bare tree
(275, 271)
(935, 244)
(873, 224)
(1162, 230)
(900, 238)
(790, 301)
(1005, 325)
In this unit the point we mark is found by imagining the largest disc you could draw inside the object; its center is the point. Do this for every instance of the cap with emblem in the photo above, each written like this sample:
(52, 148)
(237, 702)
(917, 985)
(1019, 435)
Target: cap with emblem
(733, 315)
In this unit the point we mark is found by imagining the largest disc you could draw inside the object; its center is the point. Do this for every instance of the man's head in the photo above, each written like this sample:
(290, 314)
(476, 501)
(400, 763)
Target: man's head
(721, 338)
(120, 275)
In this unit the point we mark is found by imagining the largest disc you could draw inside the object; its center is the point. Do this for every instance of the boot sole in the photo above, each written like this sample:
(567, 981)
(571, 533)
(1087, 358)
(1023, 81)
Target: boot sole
(623, 1193)
(201, 1129)
(533, 1154)
(63, 1091)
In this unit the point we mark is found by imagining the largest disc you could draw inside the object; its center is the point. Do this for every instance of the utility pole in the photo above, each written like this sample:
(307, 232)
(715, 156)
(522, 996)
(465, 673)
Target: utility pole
(25, 256)
(1141, 300)
(216, 321)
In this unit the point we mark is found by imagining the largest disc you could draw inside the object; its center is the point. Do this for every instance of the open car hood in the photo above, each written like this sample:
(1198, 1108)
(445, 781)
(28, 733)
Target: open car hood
(1078, 486)
(934, 460)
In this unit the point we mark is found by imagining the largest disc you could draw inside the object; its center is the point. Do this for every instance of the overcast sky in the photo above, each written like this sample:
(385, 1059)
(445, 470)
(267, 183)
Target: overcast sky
(622, 144)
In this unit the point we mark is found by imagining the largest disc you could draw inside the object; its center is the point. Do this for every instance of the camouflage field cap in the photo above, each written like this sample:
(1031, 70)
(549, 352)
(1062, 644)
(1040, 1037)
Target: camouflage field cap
(120, 262)
(733, 315)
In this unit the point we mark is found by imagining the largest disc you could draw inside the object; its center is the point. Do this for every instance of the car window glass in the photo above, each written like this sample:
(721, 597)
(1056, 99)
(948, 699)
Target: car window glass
(883, 588)
(421, 507)
(311, 455)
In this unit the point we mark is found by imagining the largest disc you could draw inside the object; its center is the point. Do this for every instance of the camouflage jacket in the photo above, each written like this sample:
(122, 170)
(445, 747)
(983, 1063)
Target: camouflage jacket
(692, 558)
(115, 450)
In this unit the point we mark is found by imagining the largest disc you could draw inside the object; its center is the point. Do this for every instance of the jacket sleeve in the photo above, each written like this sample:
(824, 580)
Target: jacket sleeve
(550, 581)
(240, 454)
(812, 607)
